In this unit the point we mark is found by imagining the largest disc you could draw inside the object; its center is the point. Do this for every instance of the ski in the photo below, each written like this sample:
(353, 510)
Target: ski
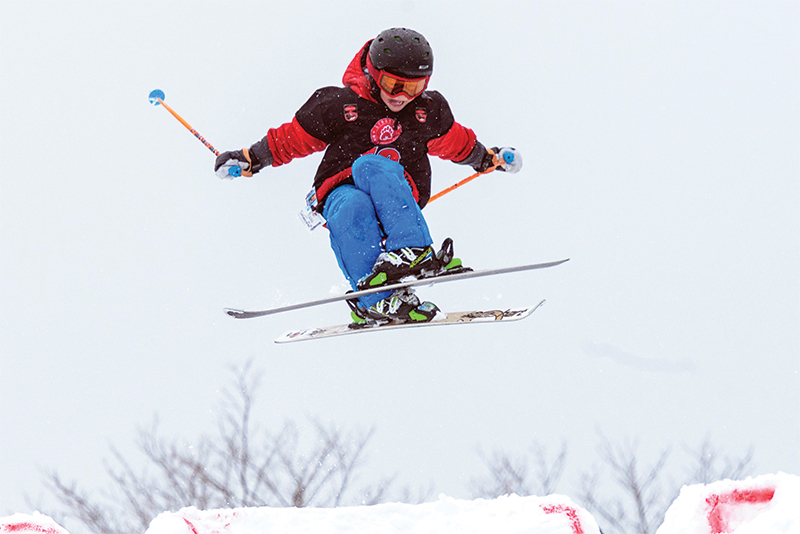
(242, 314)
(465, 317)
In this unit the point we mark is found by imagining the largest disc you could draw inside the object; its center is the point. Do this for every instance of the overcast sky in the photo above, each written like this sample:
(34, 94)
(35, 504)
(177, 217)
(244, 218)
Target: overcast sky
(661, 143)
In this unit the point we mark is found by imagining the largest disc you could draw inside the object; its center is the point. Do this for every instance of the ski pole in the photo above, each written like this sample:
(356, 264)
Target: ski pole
(456, 185)
(508, 157)
(157, 97)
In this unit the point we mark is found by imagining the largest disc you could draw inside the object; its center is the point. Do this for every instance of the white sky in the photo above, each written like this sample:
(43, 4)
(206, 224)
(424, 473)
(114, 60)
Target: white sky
(661, 143)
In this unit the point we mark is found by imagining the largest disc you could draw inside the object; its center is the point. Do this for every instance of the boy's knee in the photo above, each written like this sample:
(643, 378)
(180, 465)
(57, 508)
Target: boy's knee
(372, 164)
(350, 210)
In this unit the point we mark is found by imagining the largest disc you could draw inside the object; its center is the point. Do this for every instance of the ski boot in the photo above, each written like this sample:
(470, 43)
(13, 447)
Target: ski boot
(394, 265)
(402, 306)
(448, 263)
(412, 262)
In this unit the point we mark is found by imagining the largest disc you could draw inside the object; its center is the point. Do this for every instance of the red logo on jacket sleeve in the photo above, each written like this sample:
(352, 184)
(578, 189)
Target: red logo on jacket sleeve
(385, 131)
(350, 112)
(421, 114)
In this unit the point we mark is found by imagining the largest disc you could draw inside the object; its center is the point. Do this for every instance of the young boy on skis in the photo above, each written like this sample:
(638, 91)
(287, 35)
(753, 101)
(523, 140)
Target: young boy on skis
(375, 177)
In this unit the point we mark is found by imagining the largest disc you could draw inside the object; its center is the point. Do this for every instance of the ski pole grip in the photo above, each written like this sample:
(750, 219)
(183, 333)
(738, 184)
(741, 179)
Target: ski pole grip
(509, 157)
(235, 171)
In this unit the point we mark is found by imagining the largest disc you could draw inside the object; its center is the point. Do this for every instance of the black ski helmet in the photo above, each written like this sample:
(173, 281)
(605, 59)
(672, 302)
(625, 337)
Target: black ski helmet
(402, 52)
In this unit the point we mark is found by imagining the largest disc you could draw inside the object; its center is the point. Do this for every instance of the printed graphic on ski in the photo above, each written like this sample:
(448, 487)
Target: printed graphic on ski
(466, 317)
(242, 314)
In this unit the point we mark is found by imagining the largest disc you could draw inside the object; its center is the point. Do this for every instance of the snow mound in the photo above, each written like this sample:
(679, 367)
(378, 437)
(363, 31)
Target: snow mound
(768, 504)
(510, 514)
(36, 523)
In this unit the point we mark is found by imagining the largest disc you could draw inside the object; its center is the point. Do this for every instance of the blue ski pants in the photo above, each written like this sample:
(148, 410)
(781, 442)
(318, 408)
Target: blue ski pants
(377, 213)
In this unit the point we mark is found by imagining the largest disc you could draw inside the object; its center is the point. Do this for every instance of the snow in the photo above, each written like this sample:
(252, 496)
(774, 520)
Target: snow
(510, 514)
(768, 504)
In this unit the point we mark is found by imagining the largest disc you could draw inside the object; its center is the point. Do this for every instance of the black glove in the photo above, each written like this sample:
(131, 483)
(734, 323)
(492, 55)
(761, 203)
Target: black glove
(249, 160)
(479, 159)
(504, 159)
(228, 162)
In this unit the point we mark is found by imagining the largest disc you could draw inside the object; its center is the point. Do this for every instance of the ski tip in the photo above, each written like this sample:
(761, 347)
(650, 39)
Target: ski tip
(554, 263)
(155, 96)
(236, 314)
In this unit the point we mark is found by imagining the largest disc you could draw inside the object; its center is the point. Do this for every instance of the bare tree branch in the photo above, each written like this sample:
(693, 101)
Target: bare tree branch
(548, 474)
(707, 458)
(507, 475)
(511, 474)
(243, 466)
(642, 506)
(87, 511)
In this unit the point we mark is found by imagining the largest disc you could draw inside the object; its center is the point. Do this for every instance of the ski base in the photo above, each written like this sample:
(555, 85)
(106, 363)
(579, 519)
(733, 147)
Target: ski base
(465, 317)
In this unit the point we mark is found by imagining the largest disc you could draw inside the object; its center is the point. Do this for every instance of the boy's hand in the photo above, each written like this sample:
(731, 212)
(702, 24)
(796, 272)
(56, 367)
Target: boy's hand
(508, 159)
(229, 160)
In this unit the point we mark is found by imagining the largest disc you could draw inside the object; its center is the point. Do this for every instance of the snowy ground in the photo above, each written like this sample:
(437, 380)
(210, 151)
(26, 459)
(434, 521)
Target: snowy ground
(554, 514)
(768, 504)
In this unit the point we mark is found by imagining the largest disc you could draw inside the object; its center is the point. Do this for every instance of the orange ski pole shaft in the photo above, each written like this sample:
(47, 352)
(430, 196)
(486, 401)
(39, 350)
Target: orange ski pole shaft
(468, 179)
(456, 185)
(157, 97)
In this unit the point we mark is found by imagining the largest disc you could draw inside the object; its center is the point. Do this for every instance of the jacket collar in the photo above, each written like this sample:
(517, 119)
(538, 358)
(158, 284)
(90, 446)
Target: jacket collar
(355, 77)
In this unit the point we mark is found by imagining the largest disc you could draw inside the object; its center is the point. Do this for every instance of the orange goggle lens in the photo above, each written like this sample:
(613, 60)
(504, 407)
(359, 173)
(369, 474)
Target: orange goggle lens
(394, 85)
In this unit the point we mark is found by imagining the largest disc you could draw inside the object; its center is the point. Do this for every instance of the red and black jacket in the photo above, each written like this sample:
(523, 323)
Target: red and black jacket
(350, 121)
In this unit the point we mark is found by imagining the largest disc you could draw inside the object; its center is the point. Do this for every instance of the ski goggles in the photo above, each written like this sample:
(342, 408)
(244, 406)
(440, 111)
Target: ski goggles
(395, 85)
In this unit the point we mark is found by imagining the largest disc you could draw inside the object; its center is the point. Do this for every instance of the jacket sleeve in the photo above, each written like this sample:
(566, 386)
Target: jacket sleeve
(455, 145)
(290, 141)
(283, 144)
(456, 142)
(461, 146)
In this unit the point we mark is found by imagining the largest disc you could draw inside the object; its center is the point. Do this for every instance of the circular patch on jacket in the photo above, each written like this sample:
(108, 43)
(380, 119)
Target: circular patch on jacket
(385, 131)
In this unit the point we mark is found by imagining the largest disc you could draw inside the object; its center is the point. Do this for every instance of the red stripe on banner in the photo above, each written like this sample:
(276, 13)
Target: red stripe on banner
(570, 512)
(191, 526)
(720, 505)
(30, 527)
